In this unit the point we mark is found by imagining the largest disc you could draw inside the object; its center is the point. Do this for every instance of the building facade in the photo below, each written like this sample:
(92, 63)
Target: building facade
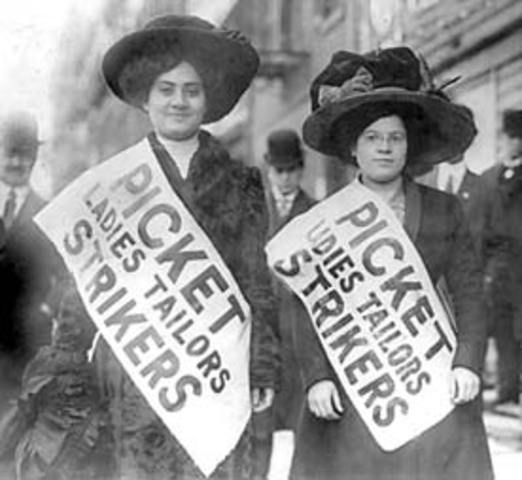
(91, 124)
(295, 39)
(479, 41)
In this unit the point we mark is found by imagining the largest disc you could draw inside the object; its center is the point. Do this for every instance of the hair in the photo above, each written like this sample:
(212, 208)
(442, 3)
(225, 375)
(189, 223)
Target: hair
(138, 75)
(420, 130)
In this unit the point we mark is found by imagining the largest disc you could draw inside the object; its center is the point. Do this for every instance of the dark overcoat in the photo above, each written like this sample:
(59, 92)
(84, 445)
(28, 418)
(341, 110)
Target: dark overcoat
(289, 399)
(456, 448)
(227, 200)
(503, 239)
(472, 196)
(28, 266)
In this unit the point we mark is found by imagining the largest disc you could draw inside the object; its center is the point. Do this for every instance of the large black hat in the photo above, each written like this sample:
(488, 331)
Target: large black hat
(512, 123)
(284, 149)
(225, 51)
(351, 90)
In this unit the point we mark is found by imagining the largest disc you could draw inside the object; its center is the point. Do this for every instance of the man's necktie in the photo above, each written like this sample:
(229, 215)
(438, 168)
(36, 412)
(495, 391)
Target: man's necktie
(10, 209)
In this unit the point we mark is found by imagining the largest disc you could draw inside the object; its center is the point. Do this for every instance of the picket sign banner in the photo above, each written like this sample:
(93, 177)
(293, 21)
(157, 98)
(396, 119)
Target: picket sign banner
(374, 309)
(161, 296)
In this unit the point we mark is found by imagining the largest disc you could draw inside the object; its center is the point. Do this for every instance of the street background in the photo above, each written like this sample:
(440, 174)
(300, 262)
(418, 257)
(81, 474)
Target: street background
(52, 53)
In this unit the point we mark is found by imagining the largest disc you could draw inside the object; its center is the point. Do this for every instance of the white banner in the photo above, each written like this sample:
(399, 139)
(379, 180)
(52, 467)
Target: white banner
(374, 309)
(161, 296)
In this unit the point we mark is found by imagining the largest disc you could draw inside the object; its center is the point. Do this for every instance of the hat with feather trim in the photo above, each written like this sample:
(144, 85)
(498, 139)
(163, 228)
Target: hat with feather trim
(355, 90)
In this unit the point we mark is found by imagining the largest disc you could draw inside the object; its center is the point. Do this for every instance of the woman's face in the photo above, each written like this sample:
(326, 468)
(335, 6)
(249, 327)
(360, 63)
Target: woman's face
(380, 150)
(176, 104)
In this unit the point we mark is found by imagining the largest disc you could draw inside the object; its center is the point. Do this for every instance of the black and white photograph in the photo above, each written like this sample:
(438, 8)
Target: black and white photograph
(261, 240)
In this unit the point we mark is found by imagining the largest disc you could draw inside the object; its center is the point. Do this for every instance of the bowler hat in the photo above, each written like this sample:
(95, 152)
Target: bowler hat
(19, 129)
(512, 123)
(351, 90)
(223, 51)
(284, 149)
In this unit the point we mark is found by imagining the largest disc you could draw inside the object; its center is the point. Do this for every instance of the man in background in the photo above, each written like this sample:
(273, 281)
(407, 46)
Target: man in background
(28, 262)
(286, 199)
(503, 255)
(285, 167)
(455, 177)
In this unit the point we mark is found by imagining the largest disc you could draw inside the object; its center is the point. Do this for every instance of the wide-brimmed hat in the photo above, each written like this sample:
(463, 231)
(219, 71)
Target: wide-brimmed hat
(284, 149)
(19, 129)
(350, 91)
(512, 123)
(225, 52)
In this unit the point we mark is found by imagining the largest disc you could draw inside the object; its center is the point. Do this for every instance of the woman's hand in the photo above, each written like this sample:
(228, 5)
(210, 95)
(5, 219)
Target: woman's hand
(324, 400)
(464, 385)
(262, 398)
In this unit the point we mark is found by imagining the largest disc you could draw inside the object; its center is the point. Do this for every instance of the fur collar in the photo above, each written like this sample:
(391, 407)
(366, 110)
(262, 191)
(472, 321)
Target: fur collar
(213, 188)
(214, 182)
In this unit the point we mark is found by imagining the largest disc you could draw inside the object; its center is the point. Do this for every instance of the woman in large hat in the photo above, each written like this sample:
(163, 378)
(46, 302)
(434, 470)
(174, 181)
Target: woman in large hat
(381, 112)
(183, 72)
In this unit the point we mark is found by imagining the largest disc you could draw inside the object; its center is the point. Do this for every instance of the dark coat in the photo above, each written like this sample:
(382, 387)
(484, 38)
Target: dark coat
(472, 197)
(456, 448)
(28, 267)
(58, 428)
(503, 239)
(227, 200)
(62, 428)
(289, 399)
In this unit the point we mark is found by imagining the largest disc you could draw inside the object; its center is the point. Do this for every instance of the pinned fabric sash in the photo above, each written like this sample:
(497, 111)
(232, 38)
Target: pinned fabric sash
(161, 296)
(374, 309)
